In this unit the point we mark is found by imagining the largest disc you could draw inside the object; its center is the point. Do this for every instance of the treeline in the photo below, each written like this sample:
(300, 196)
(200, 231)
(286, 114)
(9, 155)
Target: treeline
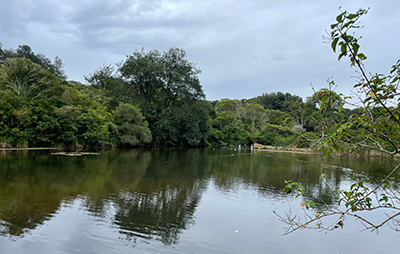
(150, 99)
(39, 108)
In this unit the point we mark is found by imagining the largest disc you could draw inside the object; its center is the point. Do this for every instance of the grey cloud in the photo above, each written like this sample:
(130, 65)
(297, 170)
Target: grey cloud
(12, 17)
(102, 23)
(16, 15)
(244, 48)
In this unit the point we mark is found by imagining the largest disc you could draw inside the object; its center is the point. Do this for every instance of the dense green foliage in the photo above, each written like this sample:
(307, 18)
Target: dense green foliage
(166, 87)
(38, 108)
(24, 51)
(152, 98)
(237, 122)
(132, 129)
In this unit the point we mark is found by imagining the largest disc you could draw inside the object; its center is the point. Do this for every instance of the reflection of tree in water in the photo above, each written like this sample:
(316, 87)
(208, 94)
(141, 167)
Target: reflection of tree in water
(163, 204)
(162, 215)
(267, 172)
(14, 220)
(153, 194)
(321, 191)
(26, 199)
(124, 170)
(33, 186)
(337, 170)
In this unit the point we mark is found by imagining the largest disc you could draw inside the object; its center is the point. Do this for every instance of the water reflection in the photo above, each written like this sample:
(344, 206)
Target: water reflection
(163, 204)
(153, 195)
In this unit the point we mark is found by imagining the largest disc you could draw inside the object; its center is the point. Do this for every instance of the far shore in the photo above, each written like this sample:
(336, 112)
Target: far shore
(31, 148)
(286, 151)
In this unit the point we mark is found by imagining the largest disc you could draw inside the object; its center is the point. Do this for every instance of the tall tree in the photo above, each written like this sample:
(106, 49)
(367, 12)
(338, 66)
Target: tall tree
(24, 51)
(29, 80)
(162, 84)
(256, 117)
(277, 101)
(132, 128)
(30, 94)
(162, 79)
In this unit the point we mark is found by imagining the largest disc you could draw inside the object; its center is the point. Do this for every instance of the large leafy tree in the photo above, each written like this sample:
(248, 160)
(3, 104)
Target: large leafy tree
(30, 95)
(255, 117)
(132, 128)
(227, 126)
(38, 109)
(107, 78)
(29, 80)
(84, 119)
(277, 101)
(162, 79)
(283, 102)
(167, 88)
(24, 51)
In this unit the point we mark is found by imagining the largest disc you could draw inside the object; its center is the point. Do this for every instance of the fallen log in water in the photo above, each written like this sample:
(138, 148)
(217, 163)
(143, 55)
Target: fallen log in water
(74, 153)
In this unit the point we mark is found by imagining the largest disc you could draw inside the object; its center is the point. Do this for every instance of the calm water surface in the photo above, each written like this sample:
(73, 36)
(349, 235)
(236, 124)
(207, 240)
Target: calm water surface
(174, 201)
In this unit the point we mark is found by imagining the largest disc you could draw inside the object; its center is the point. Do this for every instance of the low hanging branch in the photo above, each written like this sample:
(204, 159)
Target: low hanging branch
(378, 129)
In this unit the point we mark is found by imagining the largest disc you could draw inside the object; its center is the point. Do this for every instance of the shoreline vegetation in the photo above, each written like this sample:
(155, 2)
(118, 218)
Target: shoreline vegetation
(152, 99)
(28, 148)
(155, 99)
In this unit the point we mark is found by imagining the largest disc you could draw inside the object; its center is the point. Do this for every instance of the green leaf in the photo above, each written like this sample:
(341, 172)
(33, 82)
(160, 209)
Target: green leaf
(361, 56)
(341, 55)
(337, 149)
(343, 48)
(385, 186)
(324, 98)
(340, 17)
(334, 44)
(352, 16)
(355, 48)
(326, 152)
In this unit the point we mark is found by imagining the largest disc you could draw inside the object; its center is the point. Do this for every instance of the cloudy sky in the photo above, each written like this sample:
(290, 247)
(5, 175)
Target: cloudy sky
(243, 47)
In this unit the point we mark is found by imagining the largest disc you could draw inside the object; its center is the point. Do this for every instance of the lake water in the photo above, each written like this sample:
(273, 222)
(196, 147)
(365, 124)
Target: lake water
(175, 201)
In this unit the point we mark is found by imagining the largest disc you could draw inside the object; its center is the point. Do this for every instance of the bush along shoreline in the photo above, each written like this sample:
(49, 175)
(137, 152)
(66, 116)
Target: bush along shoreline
(151, 99)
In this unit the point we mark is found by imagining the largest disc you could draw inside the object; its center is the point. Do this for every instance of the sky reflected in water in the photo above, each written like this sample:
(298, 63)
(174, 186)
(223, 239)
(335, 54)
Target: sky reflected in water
(174, 201)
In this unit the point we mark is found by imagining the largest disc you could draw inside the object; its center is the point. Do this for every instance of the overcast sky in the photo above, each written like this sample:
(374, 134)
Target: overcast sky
(243, 47)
